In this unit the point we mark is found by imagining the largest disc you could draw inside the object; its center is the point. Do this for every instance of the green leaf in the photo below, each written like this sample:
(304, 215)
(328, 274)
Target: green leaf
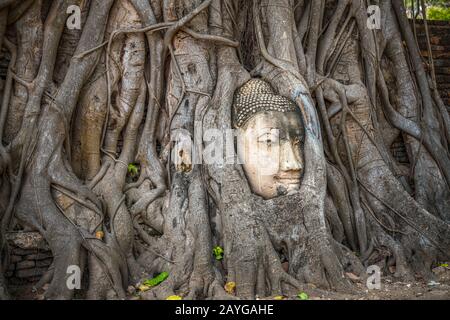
(303, 296)
(156, 280)
(445, 265)
(438, 13)
(218, 253)
(132, 169)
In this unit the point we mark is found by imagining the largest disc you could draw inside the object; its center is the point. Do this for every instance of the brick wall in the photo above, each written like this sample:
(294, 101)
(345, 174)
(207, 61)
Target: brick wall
(30, 257)
(440, 45)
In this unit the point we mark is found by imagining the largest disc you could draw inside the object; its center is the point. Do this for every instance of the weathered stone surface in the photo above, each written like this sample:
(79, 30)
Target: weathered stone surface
(28, 273)
(39, 256)
(399, 152)
(27, 240)
(30, 257)
(26, 264)
(15, 258)
(23, 252)
(44, 263)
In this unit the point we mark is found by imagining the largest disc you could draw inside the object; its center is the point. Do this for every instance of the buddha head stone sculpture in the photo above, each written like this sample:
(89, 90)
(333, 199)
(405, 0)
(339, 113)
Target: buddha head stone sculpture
(270, 135)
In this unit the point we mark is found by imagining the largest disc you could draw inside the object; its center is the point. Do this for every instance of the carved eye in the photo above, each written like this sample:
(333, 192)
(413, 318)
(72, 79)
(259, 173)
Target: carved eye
(269, 138)
(266, 138)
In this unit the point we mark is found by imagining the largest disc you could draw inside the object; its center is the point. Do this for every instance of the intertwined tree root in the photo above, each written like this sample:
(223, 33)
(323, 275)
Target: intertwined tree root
(90, 120)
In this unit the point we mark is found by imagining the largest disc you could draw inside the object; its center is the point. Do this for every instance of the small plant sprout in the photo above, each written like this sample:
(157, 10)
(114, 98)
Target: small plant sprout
(133, 169)
(218, 253)
(303, 296)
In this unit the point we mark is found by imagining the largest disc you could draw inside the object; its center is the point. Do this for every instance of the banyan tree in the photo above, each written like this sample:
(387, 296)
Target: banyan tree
(161, 129)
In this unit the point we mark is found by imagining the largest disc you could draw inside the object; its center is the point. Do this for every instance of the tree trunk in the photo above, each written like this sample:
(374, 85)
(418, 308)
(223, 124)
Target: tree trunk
(102, 130)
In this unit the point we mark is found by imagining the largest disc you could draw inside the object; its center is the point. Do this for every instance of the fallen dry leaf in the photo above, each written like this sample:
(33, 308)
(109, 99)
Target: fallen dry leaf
(230, 287)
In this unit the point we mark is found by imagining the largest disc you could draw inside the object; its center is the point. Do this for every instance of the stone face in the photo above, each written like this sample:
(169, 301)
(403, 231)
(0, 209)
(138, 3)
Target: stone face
(399, 152)
(27, 240)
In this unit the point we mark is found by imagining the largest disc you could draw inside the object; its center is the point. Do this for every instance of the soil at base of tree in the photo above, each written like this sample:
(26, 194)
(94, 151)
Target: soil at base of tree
(391, 289)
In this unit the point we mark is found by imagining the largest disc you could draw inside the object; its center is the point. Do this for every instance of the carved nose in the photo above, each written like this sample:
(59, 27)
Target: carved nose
(289, 162)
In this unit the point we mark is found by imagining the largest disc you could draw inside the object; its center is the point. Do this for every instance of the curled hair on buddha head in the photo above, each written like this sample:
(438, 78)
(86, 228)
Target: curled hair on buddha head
(255, 96)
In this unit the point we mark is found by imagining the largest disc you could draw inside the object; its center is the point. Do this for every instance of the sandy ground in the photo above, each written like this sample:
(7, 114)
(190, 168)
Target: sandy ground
(391, 289)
